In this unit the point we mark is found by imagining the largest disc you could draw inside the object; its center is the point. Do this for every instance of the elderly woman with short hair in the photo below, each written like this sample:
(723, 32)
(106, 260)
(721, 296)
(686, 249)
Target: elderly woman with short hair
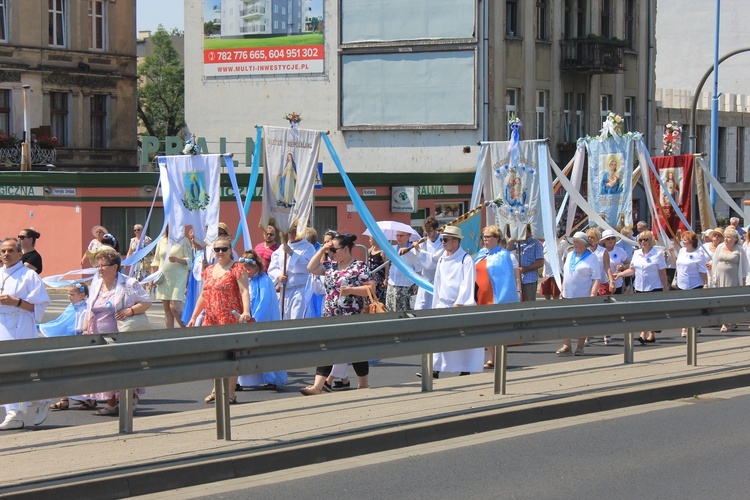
(650, 270)
(730, 265)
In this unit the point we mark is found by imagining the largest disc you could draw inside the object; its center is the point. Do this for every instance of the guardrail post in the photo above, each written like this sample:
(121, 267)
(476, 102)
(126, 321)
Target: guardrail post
(692, 346)
(221, 391)
(426, 372)
(628, 351)
(126, 411)
(501, 366)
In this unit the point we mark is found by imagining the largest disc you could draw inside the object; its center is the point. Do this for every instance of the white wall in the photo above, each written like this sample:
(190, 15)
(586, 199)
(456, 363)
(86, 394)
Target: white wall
(230, 107)
(685, 44)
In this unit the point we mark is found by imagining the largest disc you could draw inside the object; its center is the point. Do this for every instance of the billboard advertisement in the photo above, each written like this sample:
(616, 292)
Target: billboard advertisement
(262, 37)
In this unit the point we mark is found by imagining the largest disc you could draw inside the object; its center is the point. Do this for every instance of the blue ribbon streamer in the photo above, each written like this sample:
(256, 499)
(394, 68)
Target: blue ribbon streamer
(253, 180)
(372, 225)
(242, 229)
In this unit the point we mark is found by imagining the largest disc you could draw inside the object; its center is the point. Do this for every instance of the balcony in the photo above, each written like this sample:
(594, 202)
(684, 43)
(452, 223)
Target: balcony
(593, 55)
(11, 157)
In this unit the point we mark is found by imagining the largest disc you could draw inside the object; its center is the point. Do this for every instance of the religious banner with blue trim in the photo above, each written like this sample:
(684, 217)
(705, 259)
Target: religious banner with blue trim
(290, 164)
(194, 188)
(610, 174)
(515, 186)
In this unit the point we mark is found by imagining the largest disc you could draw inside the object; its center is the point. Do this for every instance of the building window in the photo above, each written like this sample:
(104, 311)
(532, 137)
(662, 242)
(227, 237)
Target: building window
(57, 20)
(511, 18)
(58, 110)
(581, 115)
(99, 121)
(567, 125)
(630, 16)
(567, 21)
(96, 21)
(605, 101)
(325, 219)
(542, 25)
(541, 114)
(275, 9)
(722, 159)
(606, 19)
(581, 18)
(275, 24)
(511, 101)
(740, 155)
(120, 221)
(628, 114)
(3, 20)
(5, 112)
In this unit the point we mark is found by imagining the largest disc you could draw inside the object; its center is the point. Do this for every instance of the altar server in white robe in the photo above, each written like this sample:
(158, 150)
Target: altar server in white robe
(454, 287)
(428, 253)
(298, 253)
(23, 300)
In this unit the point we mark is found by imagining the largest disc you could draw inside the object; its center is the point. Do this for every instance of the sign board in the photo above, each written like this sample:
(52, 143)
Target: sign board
(404, 199)
(319, 176)
(63, 191)
(22, 191)
(369, 192)
(436, 190)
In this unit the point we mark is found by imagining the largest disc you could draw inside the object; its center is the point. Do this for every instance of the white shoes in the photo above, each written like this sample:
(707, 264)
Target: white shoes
(12, 421)
(42, 410)
(607, 339)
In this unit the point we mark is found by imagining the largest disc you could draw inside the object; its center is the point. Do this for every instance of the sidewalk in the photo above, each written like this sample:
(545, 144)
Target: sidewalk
(180, 449)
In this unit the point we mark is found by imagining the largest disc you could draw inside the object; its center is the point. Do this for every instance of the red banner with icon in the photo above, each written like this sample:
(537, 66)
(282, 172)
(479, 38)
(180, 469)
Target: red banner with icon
(676, 173)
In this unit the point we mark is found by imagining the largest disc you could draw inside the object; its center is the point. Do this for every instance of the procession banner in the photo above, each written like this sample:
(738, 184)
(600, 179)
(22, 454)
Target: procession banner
(515, 180)
(290, 157)
(610, 189)
(194, 189)
(262, 38)
(676, 174)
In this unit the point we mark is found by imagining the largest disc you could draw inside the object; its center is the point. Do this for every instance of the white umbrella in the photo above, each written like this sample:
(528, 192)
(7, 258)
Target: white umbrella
(391, 227)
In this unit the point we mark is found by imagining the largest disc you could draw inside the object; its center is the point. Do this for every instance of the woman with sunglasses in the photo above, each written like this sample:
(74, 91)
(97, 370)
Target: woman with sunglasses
(650, 270)
(113, 296)
(141, 268)
(264, 306)
(346, 282)
(225, 292)
(30, 257)
(498, 278)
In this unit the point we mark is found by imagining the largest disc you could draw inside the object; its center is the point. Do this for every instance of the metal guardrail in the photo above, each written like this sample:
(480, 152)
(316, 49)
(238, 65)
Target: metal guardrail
(47, 368)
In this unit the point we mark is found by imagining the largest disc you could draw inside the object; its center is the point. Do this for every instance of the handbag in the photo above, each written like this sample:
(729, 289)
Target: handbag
(133, 323)
(375, 305)
(159, 278)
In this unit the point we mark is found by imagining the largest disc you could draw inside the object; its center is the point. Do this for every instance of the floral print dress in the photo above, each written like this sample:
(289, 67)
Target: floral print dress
(355, 274)
(222, 295)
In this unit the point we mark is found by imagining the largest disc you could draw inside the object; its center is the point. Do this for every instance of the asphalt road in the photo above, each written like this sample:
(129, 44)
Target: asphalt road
(689, 449)
(189, 396)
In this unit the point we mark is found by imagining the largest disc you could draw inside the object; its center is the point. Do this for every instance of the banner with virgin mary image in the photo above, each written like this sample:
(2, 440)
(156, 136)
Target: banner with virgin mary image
(290, 164)
(676, 174)
(514, 177)
(192, 184)
(610, 175)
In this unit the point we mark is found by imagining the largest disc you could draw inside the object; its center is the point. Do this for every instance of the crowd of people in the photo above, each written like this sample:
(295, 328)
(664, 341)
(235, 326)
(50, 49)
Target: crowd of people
(297, 277)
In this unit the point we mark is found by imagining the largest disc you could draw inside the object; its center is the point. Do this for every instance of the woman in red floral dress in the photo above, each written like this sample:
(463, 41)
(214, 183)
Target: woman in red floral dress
(225, 289)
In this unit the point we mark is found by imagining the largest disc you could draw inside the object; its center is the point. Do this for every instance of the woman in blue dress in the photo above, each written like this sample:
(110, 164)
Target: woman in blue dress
(264, 306)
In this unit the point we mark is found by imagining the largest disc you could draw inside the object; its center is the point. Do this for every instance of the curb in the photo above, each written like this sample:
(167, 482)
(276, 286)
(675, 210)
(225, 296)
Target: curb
(157, 477)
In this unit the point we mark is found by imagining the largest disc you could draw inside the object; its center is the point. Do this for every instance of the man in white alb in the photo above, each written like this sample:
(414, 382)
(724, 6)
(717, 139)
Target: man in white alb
(289, 267)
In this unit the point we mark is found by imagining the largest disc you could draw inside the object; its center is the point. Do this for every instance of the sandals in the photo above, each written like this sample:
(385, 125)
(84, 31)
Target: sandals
(488, 365)
(88, 404)
(63, 404)
(109, 410)
(310, 390)
(211, 398)
(564, 351)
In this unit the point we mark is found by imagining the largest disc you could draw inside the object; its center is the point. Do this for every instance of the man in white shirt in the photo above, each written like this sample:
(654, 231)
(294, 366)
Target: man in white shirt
(455, 276)
(428, 253)
(398, 293)
(289, 270)
(23, 300)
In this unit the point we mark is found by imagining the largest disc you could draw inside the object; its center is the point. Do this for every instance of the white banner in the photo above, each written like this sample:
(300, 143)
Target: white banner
(290, 162)
(194, 189)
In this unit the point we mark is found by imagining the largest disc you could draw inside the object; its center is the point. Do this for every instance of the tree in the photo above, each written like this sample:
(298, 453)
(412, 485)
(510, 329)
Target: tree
(161, 89)
(211, 28)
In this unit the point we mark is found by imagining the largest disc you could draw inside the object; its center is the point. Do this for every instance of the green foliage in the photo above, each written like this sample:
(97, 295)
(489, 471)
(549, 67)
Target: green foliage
(161, 89)
(209, 28)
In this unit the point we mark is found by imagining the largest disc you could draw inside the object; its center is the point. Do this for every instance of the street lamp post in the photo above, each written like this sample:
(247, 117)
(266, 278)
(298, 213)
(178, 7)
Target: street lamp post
(26, 145)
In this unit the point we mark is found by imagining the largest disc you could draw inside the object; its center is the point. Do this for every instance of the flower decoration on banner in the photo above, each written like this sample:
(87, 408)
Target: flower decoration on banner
(293, 119)
(191, 148)
(612, 126)
(515, 137)
(672, 140)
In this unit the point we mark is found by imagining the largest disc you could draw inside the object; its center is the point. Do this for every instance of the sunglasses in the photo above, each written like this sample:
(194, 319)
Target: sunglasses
(445, 239)
(137, 230)
(334, 249)
(221, 249)
(21, 237)
(487, 236)
(643, 240)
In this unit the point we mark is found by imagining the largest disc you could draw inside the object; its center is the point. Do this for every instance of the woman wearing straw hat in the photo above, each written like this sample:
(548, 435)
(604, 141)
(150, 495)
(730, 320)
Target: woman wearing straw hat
(94, 245)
